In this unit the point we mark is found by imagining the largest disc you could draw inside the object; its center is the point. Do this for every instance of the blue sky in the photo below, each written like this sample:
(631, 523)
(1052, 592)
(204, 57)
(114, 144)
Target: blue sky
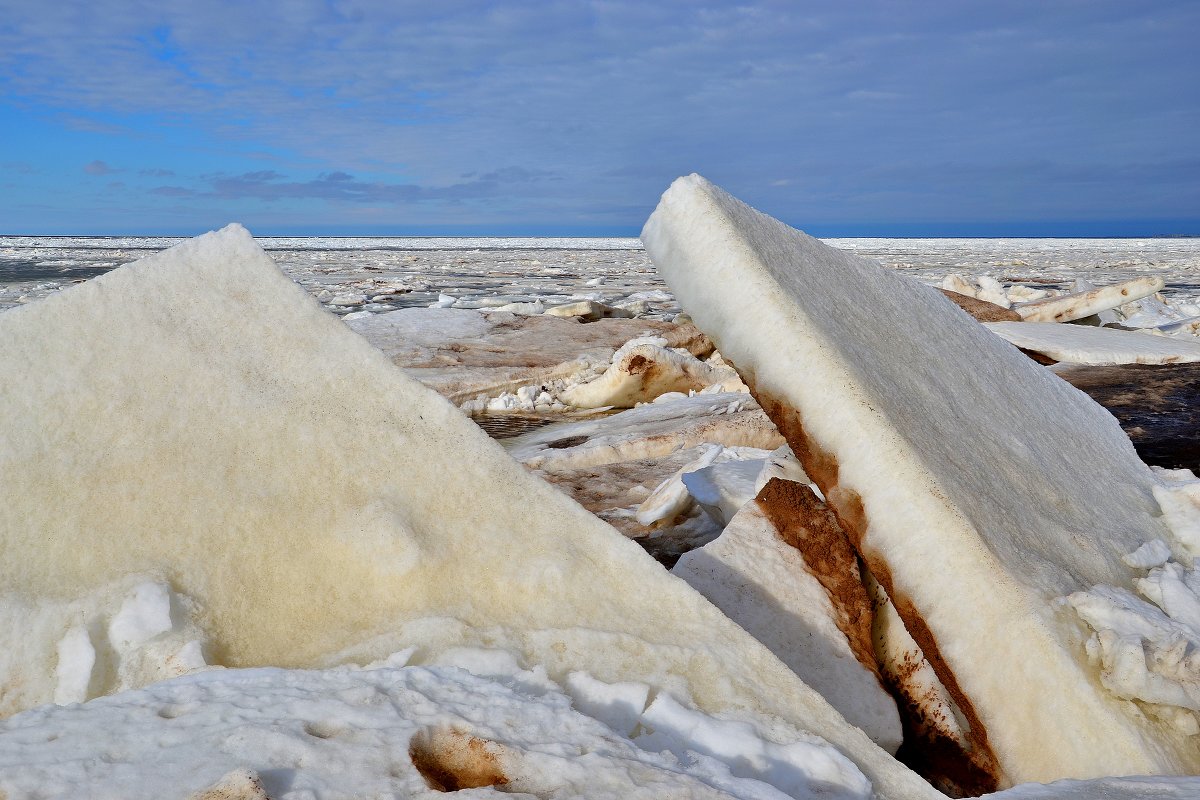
(887, 118)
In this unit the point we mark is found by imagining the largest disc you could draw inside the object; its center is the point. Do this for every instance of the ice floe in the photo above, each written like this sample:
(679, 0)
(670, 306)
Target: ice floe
(645, 368)
(976, 490)
(1080, 344)
(1077, 305)
(307, 504)
(763, 583)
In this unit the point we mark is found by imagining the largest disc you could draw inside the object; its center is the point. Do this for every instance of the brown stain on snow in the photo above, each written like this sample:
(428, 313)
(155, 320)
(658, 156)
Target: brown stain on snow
(962, 771)
(810, 526)
(450, 760)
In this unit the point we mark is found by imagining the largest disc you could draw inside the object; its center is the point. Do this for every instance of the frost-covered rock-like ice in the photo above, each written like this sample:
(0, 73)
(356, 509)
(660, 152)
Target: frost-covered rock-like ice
(642, 370)
(1082, 344)
(763, 584)
(976, 485)
(410, 732)
(1077, 305)
(195, 418)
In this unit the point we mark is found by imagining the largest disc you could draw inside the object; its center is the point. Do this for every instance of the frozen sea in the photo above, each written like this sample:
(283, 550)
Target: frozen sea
(383, 273)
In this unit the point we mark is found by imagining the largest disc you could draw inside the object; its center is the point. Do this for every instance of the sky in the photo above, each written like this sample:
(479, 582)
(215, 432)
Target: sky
(570, 118)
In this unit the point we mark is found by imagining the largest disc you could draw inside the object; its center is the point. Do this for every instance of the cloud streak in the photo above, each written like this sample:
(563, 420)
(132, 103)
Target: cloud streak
(805, 108)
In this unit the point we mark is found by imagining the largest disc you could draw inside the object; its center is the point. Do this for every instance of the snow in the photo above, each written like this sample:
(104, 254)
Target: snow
(1083, 344)
(1091, 300)
(1157, 788)
(399, 731)
(201, 423)
(1148, 647)
(764, 585)
(975, 484)
(722, 489)
(1178, 495)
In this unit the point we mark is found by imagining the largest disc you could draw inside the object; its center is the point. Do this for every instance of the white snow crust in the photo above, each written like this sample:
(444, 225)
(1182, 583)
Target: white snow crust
(983, 486)
(352, 733)
(199, 422)
(1082, 344)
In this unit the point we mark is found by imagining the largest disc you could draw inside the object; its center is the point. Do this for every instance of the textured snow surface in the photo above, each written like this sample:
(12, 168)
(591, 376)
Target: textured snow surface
(1156, 788)
(199, 422)
(977, 485)
(1082, 344)
(394, 731)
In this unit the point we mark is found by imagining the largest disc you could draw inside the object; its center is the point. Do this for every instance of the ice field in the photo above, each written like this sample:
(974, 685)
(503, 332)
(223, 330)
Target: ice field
(726, 511)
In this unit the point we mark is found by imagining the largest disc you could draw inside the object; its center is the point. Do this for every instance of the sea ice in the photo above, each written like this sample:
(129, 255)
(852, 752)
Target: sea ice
(763, 584)
(651, 431)
(1082, 344)
(468, 355)
(1091, 300)
(642, 370)
(197, 420)
(976, 485)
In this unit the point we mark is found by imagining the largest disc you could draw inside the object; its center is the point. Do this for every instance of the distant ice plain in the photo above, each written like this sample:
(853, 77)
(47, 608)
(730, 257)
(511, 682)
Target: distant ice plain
(474, 270)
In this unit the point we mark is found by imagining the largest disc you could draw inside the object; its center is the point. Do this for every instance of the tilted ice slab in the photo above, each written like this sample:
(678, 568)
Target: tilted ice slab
(396, 731)
(1083, 344)
(977, 486)
(1078, 305)
(195, 418)
(763, 584)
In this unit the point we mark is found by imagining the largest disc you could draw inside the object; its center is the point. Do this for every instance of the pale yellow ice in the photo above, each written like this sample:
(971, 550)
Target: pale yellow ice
(196, 417)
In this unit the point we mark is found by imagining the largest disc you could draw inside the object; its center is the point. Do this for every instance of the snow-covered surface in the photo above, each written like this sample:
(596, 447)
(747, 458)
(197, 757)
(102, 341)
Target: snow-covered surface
(1077, 305)
(980, 485)
(1155, 788)
(396, 731)
(310, 505)
(763, 584)
(933, 714)
(1084, 344)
